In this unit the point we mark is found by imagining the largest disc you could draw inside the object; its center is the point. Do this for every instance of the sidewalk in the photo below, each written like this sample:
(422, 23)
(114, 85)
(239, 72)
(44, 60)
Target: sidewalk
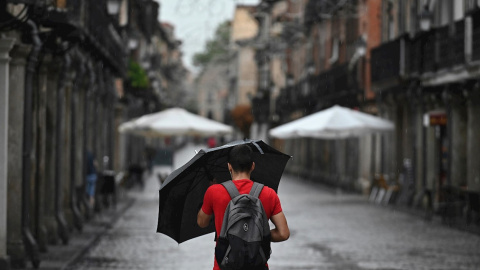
(60, 256)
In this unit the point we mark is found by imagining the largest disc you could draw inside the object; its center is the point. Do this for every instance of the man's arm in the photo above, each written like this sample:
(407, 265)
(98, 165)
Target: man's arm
(203, 220)
(281, 231)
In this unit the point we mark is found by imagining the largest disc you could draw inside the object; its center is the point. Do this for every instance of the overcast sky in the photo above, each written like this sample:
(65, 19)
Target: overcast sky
(195, 21)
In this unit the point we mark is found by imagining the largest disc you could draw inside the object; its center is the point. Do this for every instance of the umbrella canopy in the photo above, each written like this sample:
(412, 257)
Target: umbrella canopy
(174, 121)
(333, 123)
(127, 126)
(181, 195)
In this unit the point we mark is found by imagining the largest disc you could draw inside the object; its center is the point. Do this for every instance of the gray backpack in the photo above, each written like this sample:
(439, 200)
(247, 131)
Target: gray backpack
(244, 241)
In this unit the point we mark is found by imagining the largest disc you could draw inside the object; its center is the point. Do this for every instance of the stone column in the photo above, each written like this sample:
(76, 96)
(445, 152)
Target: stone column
(415, 110)
(41, 157)
(433, 102)
(340, 162)
(458, 140)
(399, 137)
(66, 110)
(419, 163)
(60, 159)
(50, 144)
(473, 141)
(6, 44)
(408, 132)
(387, 141)
(15, 246)
(75, 151)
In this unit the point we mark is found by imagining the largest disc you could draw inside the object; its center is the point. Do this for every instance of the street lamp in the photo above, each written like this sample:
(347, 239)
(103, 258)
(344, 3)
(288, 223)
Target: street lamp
(361, 46)
(311, 69)
(132, 43)
(113, 7)
(426, 17)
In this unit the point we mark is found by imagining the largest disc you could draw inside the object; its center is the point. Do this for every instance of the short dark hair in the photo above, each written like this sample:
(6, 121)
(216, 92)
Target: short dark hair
(240, 157)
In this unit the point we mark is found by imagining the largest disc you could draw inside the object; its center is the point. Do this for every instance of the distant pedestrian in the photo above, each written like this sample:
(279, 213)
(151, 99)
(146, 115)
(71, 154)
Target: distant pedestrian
(217, 198)
(91, 181)
(211, 142)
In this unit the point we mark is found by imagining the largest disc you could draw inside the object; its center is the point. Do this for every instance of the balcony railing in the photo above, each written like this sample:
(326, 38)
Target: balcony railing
(451, 45)
(388, 61)
(89, 22)
(444, 47)
(335, 85)
(429, 52)
(441, 48)
(103, 35)
(458, 45)
(476, 36)
(415, 57)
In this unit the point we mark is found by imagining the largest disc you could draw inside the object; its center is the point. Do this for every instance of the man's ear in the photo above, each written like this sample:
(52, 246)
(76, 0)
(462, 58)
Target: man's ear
(229, 167)
(253, 167)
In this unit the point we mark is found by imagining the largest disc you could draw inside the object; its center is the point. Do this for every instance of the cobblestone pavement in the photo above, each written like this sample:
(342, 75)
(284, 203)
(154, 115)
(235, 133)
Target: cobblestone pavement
(328, 231)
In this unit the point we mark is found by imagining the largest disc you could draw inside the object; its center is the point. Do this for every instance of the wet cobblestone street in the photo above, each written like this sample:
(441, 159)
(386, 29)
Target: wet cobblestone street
(329, 231)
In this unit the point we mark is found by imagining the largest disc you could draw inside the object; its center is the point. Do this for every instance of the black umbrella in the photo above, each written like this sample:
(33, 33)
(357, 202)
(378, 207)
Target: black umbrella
(181, 195)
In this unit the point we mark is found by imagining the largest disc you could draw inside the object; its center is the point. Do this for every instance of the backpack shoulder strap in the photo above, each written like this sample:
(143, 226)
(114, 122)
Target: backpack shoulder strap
(256, 189)
(231, 188)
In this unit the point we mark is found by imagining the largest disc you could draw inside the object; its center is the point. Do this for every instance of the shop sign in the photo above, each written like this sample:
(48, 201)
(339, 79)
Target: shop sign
(438, 118)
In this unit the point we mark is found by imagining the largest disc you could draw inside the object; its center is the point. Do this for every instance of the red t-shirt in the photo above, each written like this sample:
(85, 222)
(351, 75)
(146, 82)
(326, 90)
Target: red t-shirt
(217, 198)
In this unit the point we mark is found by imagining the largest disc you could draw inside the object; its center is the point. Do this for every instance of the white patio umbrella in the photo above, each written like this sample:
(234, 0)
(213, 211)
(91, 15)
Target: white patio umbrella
(127, 126)
(334, 123)
(174, 121)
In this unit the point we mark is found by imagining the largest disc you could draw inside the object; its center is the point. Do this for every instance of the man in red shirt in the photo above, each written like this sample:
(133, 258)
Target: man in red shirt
(216, 198)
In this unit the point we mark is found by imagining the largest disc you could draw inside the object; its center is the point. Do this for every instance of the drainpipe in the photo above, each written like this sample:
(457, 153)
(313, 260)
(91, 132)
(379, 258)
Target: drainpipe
(62, 224)
(77, 217)
(30, 243)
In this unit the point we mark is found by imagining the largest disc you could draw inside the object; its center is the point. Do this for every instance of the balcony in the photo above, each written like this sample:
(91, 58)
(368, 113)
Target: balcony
(87, 24)
(336, 85)
(457, 54)
(451, 45)
(388, 62)
(415, 57)
(475, 36)
(101, 33)
(428, 55)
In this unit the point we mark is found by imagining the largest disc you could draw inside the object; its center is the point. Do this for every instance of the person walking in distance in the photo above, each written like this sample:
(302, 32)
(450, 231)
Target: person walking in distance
(91, 180)
(218, 201)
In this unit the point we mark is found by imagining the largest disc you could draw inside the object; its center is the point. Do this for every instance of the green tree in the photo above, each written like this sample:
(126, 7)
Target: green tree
(215, 48)
(137, 76)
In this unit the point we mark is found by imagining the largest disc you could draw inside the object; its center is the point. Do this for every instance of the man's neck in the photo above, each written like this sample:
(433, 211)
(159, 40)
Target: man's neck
(240, 176)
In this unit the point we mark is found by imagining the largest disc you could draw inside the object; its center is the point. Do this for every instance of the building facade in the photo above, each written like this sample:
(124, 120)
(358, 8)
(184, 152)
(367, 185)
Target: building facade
(65, 84)
(425, 72)
(313, 55)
